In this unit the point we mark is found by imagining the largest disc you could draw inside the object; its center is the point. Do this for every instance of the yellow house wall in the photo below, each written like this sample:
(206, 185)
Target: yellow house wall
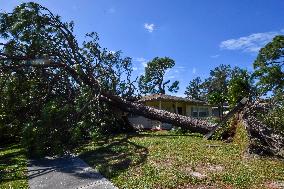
(172, 106)
(182, 105)
(188, 109)
(168, 106)
(165, 105)
(153, 104)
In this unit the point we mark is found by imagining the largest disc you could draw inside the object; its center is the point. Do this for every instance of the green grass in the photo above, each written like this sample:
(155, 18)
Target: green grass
(13, 165)
(170, 160)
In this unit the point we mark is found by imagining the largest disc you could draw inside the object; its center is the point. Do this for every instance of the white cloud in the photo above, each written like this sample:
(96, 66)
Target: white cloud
(139, 65)
(175, 72)
(149, 27)
(142, 61)
(215, 56)
(194, 70)
(139, 59)
(250, 43)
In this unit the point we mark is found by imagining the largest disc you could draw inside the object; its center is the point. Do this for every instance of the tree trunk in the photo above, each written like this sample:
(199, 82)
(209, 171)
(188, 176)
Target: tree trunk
(188, 123)
(264, 140)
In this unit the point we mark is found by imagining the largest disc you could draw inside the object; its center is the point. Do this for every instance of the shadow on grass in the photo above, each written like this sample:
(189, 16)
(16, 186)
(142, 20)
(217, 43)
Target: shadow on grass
(116, 156)
(12, 166)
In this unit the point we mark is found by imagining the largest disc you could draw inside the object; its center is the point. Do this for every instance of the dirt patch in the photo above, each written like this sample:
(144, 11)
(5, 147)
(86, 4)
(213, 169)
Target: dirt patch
(215, 168)
(202, 171)
(209, 168)
(163, 163)
(194, 173)
(274, 185)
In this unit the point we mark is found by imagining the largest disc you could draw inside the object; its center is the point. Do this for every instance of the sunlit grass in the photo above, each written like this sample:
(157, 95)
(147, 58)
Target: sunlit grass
(13, 165)
(170, 160)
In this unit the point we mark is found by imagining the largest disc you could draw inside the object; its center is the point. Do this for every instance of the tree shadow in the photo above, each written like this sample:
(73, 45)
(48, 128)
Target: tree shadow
(116, 156)
(111, 157)
(71, 165)
(12, 165)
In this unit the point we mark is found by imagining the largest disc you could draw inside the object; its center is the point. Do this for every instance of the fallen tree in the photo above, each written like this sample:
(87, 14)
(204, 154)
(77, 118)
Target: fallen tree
(36, 39)
(264, 140)
(188, 123)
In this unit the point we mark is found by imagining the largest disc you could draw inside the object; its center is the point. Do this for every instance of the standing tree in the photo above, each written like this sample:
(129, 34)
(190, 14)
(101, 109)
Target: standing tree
(195, 89)
(153, 80)
(217, 86)
(240, 85)
(269, 66)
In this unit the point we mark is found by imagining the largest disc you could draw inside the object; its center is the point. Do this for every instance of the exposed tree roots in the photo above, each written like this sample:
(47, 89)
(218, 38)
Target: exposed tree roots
(264, 140)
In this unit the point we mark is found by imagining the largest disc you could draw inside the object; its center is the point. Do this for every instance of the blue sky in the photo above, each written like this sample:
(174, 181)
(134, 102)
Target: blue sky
(199, 35)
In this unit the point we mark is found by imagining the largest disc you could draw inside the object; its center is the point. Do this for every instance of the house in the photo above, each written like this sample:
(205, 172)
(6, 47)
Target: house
(183, 106)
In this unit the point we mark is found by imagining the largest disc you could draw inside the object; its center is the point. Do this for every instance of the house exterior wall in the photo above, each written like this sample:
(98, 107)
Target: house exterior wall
(169, 106)
(153, 104)
(140, 122)
(198, 108)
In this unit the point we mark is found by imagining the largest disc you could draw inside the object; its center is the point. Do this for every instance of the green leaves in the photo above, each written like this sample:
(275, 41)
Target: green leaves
(174, 87)
(54, 98)
(195, 89)
(269, 66)
(239, 86)
(153, 80)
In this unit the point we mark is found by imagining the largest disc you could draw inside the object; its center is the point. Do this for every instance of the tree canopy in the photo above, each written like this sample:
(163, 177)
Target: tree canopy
(240, 86)
(224, 85)
(195, 89)
(269, 66)
(153, 80)
(51, 84)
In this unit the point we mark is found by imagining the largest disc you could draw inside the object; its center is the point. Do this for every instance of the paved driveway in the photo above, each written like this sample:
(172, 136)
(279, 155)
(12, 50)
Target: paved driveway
(67, 172)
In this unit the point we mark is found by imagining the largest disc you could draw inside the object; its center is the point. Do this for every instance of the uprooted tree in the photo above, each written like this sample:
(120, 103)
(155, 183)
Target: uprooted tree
(36, 41)
(40, 51)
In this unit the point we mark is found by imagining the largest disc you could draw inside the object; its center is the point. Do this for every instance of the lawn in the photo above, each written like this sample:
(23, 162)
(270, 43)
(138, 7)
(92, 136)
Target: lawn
(171, 160)
(13, 165)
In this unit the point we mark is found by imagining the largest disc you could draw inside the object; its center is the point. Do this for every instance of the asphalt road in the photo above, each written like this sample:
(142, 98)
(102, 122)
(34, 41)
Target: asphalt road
(67, 172)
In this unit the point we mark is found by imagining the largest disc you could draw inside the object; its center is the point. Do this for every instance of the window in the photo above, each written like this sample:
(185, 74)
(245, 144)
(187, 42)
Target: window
(203, 112)
(194, 111)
